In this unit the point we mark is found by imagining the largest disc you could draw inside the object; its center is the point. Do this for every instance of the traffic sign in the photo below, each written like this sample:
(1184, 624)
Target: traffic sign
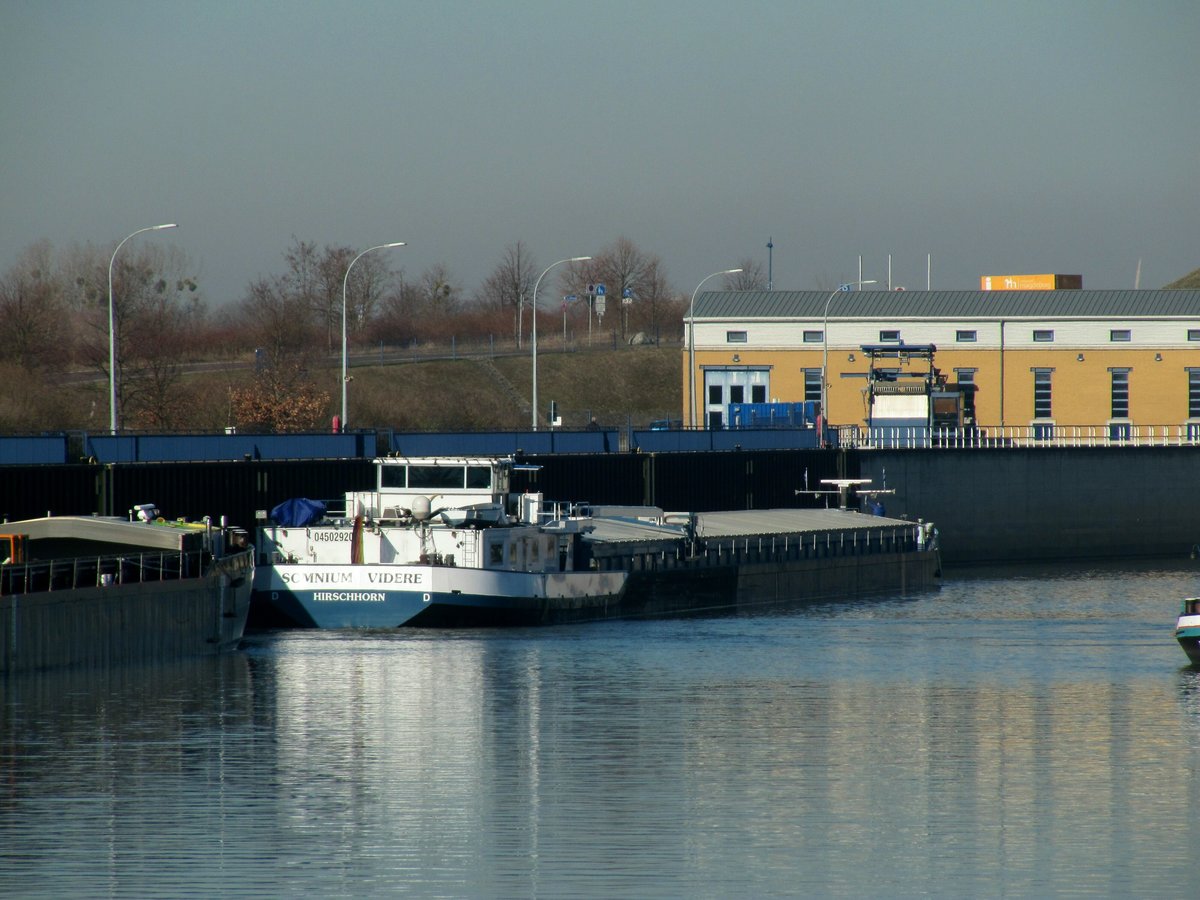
(600, 290)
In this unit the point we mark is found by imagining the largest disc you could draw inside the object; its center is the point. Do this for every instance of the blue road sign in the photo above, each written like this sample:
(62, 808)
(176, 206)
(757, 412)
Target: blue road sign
(600, 290)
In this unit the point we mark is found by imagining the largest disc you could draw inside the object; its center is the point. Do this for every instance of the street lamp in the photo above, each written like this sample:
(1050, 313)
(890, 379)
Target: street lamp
(692, 339)
(533, 312)
(112, 341)
(345, 280)
(825, 342)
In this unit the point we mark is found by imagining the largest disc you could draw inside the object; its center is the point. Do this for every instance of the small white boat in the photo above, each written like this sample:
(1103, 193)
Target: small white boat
(1187, 628)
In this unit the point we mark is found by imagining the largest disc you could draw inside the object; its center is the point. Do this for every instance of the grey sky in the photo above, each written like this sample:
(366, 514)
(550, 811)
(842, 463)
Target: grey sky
(1001, 138)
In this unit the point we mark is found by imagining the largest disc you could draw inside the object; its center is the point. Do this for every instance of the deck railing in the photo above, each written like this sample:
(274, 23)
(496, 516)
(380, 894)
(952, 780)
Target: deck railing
(38, 576)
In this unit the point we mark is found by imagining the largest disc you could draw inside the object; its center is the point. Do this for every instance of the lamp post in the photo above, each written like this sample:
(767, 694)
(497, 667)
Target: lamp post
(692, 339)
(112, 340)
(825, 342)
(345, 281)
(533, 337)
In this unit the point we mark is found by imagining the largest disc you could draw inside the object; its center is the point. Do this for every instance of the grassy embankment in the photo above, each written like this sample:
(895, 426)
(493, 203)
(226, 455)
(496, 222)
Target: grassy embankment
(630, 385)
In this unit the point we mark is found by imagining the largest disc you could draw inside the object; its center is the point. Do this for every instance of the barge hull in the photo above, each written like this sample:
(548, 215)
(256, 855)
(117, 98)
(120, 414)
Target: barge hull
(745, 587)
(364, 596)
(145, 622)
(696, 587)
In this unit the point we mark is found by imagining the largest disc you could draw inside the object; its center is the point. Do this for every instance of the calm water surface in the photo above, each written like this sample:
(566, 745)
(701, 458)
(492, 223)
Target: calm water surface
(1018, 733)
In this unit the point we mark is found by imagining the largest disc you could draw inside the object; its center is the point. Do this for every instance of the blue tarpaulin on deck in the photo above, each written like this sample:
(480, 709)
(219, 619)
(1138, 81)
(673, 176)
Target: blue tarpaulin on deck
(298, 512)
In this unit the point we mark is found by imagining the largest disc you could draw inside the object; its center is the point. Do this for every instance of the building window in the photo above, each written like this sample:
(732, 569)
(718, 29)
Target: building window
(967, 388)
(1041, 393)
(1120, 393)
(1194, 334)
(1121, 335)
(1193, 393)
(814, 337)
(892, 337)
(735, 337)
(965, 337)
(1043, 336)
(737, 393)
(812, 384)
(758, 393)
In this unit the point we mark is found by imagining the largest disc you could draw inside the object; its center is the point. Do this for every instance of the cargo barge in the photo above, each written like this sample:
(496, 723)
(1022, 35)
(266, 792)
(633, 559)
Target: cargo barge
(95, 591)
(442, 543)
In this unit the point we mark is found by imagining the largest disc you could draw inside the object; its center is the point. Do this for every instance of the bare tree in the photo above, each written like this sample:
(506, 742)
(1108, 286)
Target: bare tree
(278, 320)
(156, 306)
(751, 278)
(421, 309)
(623, 267)
(366, 286)
(440, 292)
(315, 279)
(510, 284)
(33, 313)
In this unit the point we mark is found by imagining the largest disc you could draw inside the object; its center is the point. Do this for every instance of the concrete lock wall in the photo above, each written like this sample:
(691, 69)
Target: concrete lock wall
(994, 505)
(1046, 503)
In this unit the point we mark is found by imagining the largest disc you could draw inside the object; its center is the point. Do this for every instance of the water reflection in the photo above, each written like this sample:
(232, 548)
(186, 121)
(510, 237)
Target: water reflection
(95, 764)
(1024, 735)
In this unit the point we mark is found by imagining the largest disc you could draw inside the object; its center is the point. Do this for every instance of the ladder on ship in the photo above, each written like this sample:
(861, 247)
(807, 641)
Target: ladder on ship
(468, 551)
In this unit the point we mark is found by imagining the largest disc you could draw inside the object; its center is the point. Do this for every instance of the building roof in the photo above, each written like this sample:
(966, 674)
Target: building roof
(741, 305)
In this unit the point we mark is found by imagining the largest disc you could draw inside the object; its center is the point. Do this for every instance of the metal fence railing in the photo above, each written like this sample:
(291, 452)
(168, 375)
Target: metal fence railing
(1018, 436)
(37, 576)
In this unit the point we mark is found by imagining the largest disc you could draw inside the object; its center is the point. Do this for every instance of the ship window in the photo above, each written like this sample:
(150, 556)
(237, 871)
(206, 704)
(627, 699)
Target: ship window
(496, 554)
(479, 477)
(431, 477)
(393, 476)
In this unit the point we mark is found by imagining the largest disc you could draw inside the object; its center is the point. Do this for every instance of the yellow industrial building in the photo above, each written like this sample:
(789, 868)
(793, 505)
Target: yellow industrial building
(1045, 359)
